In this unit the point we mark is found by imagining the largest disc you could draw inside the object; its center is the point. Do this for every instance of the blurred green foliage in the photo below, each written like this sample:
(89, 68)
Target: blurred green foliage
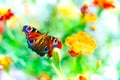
(14, 41)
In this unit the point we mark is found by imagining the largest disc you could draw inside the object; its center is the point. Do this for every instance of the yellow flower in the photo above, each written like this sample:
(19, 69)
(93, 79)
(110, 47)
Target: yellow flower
(3, 11)
(90, 17)
(5, 14)
(80, 43)
(5, 60)
(68, 9)
(8, 59)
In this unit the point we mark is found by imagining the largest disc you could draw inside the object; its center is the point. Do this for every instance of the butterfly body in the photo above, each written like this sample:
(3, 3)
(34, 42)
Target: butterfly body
(41, 43)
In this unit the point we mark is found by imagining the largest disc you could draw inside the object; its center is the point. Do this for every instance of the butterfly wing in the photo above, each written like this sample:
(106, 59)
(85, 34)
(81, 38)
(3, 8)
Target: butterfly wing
(40, 43)
(33, 37)
(43, 44)
(53, 42)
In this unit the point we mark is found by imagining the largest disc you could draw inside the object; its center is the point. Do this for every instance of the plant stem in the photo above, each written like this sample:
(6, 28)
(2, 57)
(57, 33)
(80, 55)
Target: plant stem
(100, 11)
(62, 75)
(57, 70)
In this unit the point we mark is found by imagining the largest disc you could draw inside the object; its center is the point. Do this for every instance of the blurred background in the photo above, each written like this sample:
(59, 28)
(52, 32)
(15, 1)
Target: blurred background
(62, 19)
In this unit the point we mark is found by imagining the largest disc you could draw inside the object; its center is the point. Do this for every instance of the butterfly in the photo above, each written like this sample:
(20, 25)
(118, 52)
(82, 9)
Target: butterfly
(39, 42)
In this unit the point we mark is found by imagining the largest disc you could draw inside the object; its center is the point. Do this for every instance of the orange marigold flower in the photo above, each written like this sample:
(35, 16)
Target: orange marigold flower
(5, 60)
(72, 53)
(104, 3)
(5, 14)
(3, 11)
(84, 9)
(44, 76)
(8, 59)
(90, 17)
(87, 15)
(82, 77)
(80, 43)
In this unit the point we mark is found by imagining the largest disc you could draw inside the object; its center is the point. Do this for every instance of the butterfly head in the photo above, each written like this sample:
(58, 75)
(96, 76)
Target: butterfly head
(27, 29)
